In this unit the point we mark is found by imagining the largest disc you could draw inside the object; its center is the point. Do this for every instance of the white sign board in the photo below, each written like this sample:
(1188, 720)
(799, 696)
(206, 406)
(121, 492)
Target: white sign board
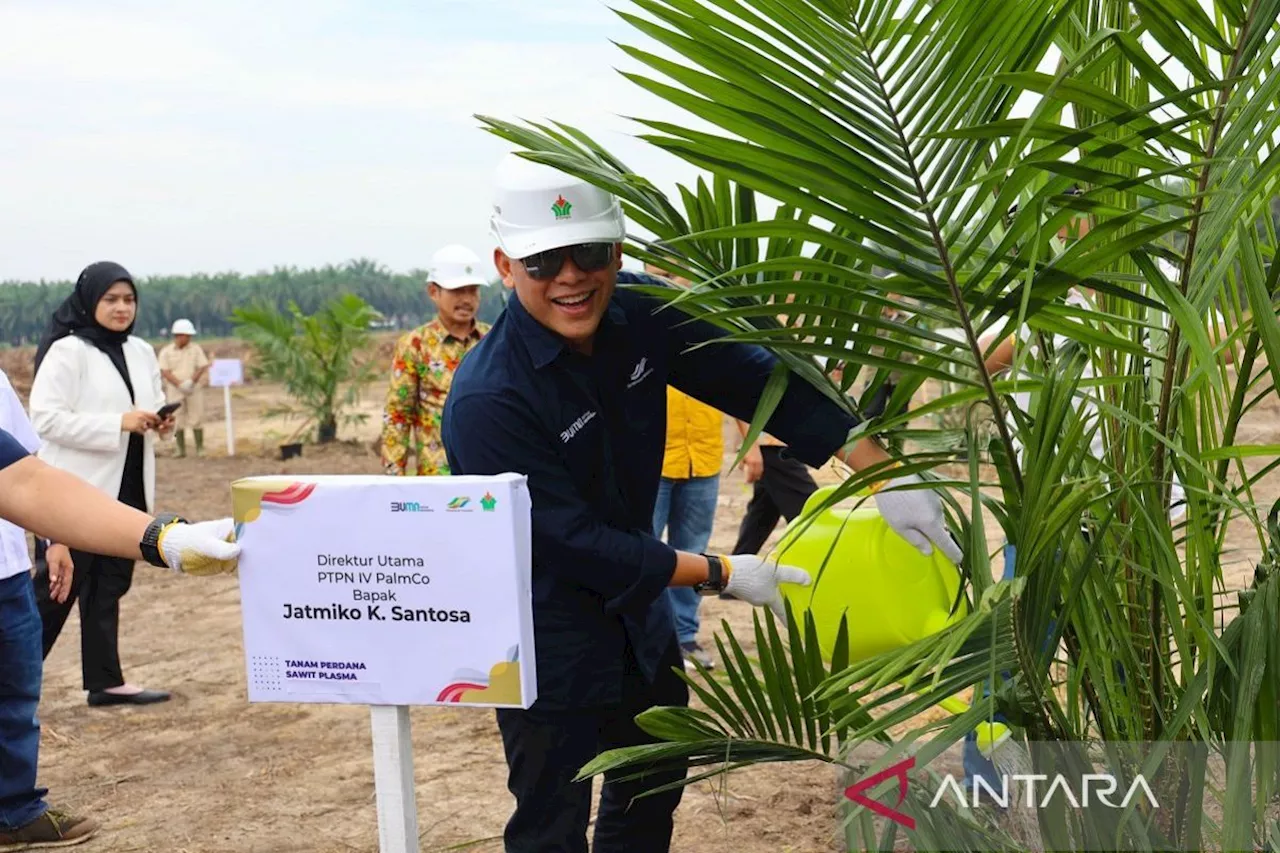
(225, 372)
(380, 590)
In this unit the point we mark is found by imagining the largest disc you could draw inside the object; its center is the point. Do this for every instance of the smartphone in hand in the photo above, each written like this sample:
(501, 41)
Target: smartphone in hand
(168, 409)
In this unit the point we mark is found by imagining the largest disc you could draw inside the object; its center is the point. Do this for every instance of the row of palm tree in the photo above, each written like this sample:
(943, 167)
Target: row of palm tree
(927, 153)
(208, 299)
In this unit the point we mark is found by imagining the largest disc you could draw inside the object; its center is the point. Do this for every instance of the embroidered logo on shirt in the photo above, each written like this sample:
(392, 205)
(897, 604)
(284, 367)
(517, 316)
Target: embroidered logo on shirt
(640, 374)
(576, 426)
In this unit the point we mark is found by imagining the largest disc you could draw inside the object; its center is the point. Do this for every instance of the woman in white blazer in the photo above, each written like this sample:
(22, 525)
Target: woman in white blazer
(93, 403)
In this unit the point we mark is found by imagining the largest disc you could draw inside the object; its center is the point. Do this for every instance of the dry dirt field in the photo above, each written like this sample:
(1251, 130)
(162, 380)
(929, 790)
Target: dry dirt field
(210, 772)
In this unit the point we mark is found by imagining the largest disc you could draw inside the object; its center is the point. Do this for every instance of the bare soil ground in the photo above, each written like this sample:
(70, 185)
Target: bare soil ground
(210, 772)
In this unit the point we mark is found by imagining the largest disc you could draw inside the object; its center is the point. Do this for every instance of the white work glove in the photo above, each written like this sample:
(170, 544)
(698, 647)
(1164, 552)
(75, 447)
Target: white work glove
(916, 514)
(187, 386)
(205, 548)
(755, 580)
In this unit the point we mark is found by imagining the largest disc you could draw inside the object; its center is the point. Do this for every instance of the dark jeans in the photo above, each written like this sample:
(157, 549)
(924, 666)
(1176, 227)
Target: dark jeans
(781, 492)
(686, 509)
(99, 584)
(21, 668)
(546, 749)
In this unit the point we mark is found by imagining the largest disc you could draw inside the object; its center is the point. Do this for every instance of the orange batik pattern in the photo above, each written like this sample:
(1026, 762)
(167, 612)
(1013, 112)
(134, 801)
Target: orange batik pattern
(421, 373)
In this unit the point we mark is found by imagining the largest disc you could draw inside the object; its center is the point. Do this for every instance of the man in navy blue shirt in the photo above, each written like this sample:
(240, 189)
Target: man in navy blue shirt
(569, 389)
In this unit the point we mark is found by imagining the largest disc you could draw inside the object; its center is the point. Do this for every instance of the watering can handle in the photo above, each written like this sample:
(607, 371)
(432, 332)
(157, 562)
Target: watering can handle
(815, 500)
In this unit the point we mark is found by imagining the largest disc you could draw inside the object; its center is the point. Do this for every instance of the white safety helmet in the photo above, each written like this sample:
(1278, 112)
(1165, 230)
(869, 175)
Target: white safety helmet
(456, 266)
(536, 207)
(183, 327)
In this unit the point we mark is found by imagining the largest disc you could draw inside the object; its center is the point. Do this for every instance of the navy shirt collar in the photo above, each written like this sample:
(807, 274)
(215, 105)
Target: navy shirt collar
(544, 345)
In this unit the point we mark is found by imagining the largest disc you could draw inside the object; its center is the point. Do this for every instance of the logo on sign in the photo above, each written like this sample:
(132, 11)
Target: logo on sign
(458, 504)
(488, 502)
(409, 506)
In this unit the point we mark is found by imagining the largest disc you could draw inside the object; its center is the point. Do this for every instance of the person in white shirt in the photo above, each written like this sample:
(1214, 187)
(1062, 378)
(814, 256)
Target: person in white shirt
(54, 503)
(1003, 357)
(94, 404)
(22, 804)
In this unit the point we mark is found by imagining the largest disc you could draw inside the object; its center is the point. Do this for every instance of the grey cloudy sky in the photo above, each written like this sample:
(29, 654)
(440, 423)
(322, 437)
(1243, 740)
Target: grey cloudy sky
(184, 136)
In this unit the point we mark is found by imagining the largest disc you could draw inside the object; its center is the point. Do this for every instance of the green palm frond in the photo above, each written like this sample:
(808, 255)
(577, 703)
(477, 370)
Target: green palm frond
(927, 155)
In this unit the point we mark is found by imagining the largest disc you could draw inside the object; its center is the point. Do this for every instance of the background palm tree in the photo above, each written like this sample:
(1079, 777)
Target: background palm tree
(320, 358)
(886, 136)
(207, 299)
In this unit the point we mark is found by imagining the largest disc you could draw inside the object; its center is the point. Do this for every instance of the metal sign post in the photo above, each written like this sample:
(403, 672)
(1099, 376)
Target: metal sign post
(223, 373)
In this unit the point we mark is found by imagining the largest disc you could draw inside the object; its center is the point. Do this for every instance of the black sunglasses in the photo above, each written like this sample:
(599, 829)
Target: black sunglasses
(588, 257)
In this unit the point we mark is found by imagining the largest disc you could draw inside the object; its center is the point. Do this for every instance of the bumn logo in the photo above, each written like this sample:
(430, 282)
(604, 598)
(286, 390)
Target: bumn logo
(409, 506)
(582, 421)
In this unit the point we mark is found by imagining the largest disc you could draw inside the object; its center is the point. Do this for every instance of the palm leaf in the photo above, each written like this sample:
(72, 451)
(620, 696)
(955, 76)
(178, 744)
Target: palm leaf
(886, 134)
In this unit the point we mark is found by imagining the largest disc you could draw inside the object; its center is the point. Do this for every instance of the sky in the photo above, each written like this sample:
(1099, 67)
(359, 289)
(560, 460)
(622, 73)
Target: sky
(192, 136)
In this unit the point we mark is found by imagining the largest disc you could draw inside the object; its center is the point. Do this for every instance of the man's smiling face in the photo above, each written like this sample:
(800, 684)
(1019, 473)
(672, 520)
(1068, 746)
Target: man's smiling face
(571, 303)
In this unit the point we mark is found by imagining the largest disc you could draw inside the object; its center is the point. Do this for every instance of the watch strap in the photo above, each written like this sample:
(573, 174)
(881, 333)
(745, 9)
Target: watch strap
(150, 544)
(716, 577)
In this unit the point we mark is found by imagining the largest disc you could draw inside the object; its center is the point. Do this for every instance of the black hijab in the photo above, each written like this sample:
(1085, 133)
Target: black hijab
(76, 316)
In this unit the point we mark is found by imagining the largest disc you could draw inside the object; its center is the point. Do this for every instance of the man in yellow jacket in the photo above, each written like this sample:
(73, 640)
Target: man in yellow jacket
(687, 494)
(686, 503)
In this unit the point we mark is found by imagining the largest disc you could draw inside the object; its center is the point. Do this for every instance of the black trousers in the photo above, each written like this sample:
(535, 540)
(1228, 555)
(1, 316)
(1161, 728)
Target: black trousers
(546, 749)
(99, 584)
(780, 492)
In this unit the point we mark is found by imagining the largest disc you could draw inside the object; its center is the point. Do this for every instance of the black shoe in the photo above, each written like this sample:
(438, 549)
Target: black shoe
(99, 698)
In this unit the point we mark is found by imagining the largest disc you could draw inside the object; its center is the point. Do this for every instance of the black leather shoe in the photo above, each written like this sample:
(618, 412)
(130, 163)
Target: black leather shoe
(99, 698)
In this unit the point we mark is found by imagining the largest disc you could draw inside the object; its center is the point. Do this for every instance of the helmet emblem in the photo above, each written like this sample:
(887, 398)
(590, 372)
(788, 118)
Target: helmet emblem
(561, 208)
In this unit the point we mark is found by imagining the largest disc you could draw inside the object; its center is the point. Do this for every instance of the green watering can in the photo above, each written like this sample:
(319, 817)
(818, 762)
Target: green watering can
(890, 594)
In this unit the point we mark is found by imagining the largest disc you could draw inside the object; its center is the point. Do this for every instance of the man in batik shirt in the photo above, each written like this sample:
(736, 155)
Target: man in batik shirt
(424, 363)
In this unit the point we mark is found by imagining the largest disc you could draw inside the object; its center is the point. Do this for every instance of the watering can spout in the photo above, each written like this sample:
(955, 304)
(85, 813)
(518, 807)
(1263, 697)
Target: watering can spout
(889, 593)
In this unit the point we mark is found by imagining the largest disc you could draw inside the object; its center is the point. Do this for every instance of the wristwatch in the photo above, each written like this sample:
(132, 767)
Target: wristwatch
(150, 544)
(714, 584)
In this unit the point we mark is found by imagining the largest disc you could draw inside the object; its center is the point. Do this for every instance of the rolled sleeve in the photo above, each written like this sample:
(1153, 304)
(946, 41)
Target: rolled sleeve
(11, 450)
(486, 434)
